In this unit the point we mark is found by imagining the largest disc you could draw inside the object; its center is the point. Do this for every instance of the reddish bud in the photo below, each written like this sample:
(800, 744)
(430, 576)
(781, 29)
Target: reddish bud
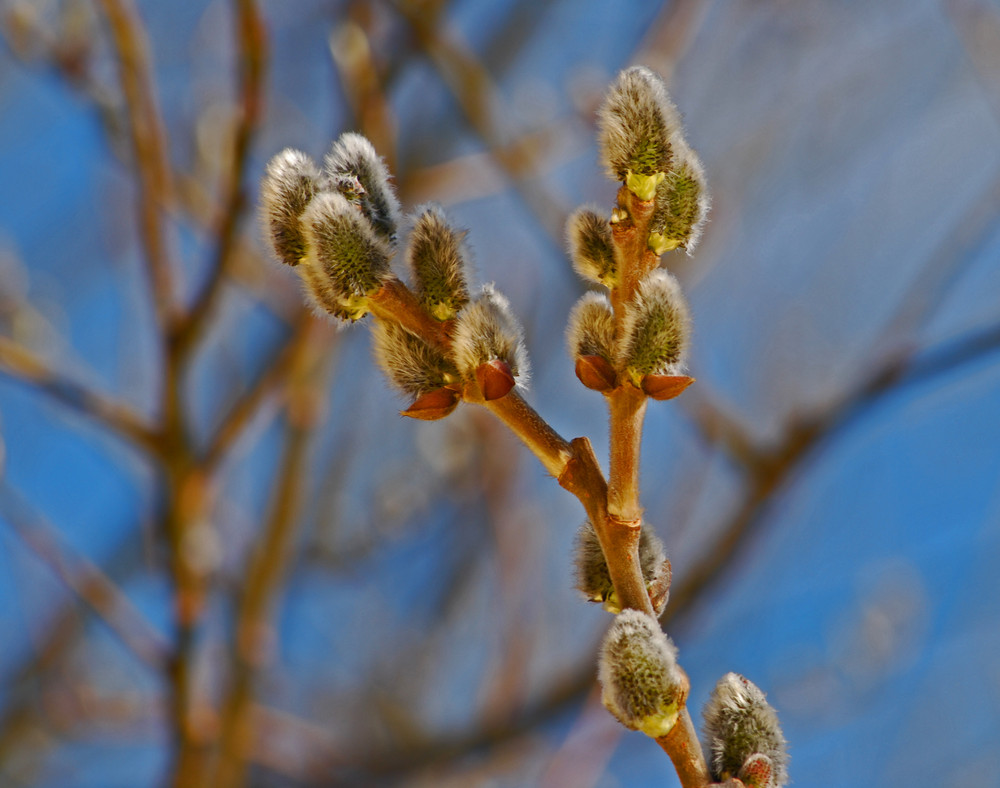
(662, 387)
(757, 771)
(595, 373)
(495, 379)
(433, 405)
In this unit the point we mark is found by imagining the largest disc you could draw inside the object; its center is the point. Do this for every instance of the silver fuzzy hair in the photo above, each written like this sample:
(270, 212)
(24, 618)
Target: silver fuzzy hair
(682, 200)
(591, 328)
(591, 246)
(412, 365)
(592, 576)
(437, 257)
(347, 260)
(290, 181)
(637, 121)
(740, 723)
(353, 155)
(656, 328)
(638, 670)
(487, 329)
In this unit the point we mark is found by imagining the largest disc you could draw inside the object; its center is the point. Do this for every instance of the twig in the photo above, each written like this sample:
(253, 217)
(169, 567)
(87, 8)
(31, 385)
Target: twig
(252, 43)
(253, 645)
(249, 404)
(85, 580)
(148, 144)
(20, 363)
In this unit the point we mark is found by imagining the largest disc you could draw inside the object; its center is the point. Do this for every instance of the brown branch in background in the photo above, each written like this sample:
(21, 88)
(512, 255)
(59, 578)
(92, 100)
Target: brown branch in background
(20, 363)
(84, 579)
(149, 146)
(471, 85)
(361, 81)
(251, 66)
(249, 405)
(254, 645)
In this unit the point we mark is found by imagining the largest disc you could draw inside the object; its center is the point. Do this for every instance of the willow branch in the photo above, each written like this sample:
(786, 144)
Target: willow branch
(85, 580)
(243, 411)
(19, 363)
(253, 647)
(252, 45)
(148, 139)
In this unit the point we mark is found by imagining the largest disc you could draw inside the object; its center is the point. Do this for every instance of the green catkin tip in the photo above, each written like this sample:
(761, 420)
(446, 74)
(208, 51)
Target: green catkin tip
(413, 366)
(641, 684)
(352, 156)
(681, 204)
(290, 182)
(591, 246)
(637, 121)
(739, 724)
(591, 329)
(593, 579)
(347, 261)
(437, 258)
(656, 328)
(486, 330)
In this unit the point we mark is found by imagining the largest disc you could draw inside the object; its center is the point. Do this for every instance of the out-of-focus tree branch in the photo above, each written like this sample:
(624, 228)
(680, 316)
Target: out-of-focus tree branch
(20, 363)
(149, 146)
(85, 580)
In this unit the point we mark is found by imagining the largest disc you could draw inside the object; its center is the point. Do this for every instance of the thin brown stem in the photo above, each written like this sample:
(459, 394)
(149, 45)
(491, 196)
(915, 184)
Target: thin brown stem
(148, 138)
(253, 647)
(22, 364)
(252, 43)
(246, 408)
(544, 442)
(682, 745)
(627, 410)
(84, 579)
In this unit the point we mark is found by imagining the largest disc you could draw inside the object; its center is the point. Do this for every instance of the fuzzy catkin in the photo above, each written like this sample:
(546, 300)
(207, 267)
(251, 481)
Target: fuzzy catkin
(347, 260)
(681, 202)
(637, 121)
(290, 181)
(656, 327)
(486, 330)
(353, 155)
(591, 328)
(437, 258)
(593, 579)
(641, 684)
(591, 246)
(412, 365)
(740, 723)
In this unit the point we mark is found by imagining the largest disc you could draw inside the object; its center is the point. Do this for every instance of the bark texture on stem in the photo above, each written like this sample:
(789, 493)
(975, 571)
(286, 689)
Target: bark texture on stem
(684, 749)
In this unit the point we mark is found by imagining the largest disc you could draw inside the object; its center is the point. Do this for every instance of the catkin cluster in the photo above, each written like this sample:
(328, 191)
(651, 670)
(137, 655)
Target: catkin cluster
(639, 335)
(338, 228)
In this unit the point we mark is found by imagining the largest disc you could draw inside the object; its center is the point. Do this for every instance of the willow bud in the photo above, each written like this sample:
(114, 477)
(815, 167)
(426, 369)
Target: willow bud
(290, 181)
(642, 686)
(347, 261)
(594, 580)
(353, 155)
(740, 725)
(486, 331)
(656, 328)
(591, 330)
(591, 247)
(681, 204)
(437, 258)
(411, 364)
(637, 122)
